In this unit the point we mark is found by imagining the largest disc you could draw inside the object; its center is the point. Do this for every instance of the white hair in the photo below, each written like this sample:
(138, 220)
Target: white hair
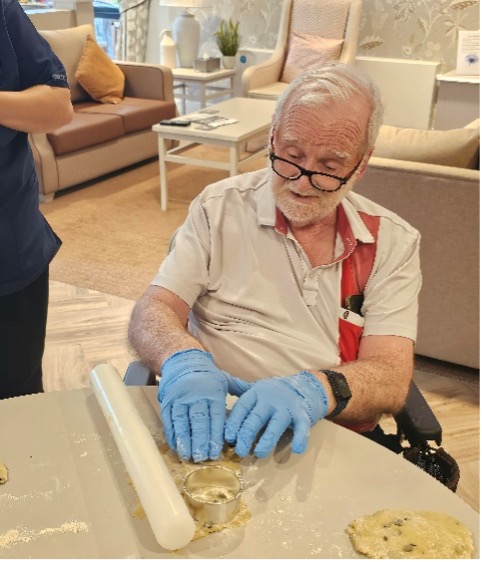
(333, 82)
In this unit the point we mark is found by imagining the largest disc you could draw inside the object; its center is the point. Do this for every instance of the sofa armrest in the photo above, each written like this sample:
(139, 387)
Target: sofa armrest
(475, 124)
(442, 203)
(45, 163)
(263, 74)
(148, 81)
(421, 168)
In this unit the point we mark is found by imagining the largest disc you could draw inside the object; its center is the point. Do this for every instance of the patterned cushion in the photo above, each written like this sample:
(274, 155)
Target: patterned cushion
(98, 75)
(307, 50)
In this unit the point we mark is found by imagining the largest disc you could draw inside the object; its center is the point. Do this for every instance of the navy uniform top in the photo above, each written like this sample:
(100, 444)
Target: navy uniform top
(27, 242)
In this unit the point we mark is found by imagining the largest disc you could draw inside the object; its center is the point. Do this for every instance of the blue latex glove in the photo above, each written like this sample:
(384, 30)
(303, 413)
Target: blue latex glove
(298, 401)
(192, 393)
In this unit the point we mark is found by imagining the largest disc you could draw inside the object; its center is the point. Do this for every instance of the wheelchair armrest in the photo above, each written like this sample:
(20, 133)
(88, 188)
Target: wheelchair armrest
(139, 375)
(416, 421)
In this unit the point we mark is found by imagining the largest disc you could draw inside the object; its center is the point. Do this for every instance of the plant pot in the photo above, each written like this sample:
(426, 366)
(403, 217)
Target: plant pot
(228, 62)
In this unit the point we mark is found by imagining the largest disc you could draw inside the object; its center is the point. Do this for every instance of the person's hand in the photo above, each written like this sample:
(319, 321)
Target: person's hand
(298, 400)
(192, 393)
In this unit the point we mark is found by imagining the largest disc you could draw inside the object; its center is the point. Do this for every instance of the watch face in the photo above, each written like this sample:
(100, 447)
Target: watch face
(339, 385)
(343, 389)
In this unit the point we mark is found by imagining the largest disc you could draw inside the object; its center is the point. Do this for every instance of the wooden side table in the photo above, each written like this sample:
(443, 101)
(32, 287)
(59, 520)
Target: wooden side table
(206, 83)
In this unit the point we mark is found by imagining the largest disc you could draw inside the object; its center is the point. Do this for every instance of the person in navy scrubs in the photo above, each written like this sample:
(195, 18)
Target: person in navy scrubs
(34, 98)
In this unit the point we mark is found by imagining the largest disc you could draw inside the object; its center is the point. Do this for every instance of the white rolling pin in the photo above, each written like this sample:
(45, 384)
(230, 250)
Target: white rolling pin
(168, 515)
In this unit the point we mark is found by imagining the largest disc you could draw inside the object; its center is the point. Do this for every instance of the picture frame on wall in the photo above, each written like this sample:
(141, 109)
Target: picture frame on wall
(468, 53)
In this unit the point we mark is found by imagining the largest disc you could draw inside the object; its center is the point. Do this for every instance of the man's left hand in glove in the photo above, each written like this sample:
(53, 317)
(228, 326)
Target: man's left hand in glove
(296, 401)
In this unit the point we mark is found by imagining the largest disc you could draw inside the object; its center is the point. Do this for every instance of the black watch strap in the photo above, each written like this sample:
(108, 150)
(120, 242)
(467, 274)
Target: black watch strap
(341, 391)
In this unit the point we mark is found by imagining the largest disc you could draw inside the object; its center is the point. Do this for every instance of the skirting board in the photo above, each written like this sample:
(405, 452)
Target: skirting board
(408, 89)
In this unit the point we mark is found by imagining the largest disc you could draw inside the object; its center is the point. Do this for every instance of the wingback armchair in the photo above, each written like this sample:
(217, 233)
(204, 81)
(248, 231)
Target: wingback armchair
(311, 31)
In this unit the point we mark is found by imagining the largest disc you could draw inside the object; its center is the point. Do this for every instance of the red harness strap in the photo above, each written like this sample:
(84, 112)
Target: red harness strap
(356, 269)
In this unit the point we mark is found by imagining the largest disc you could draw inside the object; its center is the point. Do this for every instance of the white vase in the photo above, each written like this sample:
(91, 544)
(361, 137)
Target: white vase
(228, 62)
(168, 49)
(186, 33)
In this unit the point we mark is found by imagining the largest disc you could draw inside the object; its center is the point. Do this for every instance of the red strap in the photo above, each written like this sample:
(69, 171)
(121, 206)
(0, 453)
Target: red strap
(356, 269)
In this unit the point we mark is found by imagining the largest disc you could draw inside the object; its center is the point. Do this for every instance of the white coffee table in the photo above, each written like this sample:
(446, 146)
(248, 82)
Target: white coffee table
(253, 119)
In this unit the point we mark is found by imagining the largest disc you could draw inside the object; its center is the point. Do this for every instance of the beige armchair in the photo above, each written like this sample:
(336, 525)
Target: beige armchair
(431, 179)
(311, 31)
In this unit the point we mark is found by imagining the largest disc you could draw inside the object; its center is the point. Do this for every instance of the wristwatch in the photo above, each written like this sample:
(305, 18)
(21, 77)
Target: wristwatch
(341, 391)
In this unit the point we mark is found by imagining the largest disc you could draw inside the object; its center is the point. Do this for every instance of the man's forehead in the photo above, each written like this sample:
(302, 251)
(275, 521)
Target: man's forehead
(315, 131)
(301, 121)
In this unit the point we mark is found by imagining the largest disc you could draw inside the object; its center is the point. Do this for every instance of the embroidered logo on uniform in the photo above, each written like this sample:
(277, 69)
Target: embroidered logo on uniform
(58, 76)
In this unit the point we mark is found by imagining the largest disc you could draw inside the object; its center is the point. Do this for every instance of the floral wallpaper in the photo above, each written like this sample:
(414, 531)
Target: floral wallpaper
(416, 29)
(409, 29)
(258, 22)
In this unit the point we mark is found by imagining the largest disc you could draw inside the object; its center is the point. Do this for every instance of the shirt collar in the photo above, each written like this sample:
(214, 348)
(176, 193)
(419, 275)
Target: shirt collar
(350, 225)
(266, 203)
(355, 223)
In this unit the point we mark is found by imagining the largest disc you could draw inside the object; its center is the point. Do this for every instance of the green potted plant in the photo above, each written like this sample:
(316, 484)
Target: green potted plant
(228, 41)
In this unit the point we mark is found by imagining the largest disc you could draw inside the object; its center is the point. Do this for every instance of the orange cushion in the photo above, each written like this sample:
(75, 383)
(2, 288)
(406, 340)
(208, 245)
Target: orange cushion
(98, 75)
(306, 50)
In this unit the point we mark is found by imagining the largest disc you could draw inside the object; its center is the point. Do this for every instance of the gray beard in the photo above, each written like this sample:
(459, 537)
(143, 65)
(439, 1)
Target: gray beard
(322, 205)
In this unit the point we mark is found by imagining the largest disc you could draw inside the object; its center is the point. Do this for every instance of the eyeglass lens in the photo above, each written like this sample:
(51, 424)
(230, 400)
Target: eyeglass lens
(290, 171)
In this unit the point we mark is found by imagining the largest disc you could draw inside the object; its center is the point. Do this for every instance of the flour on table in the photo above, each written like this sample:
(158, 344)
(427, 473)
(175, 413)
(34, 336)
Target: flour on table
(180, 469)
(411, 534)
(18, 535)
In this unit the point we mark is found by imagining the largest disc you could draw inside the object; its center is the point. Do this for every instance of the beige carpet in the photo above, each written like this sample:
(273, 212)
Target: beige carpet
(113, 231)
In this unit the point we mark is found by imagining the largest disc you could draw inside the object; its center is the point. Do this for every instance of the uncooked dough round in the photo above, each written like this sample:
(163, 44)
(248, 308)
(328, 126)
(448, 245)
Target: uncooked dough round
(3, 473)
(411, 534)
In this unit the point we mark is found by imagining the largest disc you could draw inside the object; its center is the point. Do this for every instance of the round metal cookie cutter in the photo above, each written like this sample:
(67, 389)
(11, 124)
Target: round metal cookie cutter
(213, 493)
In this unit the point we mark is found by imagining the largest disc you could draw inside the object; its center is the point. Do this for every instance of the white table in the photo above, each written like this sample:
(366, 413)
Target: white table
(254, 119)
(65, 466)
(207, 85)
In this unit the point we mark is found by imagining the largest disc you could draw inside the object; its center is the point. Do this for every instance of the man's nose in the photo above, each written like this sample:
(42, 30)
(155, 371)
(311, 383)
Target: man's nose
(303, 183)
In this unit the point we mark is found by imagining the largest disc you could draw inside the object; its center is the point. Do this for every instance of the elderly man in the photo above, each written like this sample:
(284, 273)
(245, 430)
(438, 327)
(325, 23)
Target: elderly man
(286, 288)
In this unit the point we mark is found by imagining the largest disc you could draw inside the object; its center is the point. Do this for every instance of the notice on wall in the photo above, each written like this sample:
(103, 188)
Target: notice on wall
(468, 53)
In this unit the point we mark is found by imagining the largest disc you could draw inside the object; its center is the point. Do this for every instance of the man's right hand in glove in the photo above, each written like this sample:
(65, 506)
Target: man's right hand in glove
(192, 393)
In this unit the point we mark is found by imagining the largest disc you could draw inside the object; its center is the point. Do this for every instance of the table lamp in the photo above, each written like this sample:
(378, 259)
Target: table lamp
(186, 30)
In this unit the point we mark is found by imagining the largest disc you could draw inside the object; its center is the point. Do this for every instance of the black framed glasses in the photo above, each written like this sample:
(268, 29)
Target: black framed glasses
(319, 180)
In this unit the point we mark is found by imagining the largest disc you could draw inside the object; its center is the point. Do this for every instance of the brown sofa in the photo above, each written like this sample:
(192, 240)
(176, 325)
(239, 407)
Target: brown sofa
(442, 203)
(102, 137)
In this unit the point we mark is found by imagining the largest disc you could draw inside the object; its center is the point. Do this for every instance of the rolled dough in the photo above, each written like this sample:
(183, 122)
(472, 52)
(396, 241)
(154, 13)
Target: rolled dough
(3, 473)
(393, 533)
